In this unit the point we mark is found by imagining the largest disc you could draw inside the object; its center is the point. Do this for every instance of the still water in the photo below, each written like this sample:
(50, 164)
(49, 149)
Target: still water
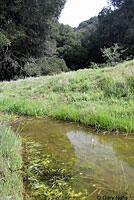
(105, 162)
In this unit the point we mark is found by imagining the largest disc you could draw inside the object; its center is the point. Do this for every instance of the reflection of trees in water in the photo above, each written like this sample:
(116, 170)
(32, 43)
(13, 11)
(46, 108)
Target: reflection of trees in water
(122, 146)
(124, 151)
(100, 155)
(95, 155)
(97, 161)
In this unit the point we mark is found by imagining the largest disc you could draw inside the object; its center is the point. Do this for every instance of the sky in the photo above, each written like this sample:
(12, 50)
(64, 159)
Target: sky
(76, 11)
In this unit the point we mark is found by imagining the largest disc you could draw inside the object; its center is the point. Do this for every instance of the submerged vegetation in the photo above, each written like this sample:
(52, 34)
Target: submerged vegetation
(62, 162)
(47, 178)
(11, 186)
(102, 98)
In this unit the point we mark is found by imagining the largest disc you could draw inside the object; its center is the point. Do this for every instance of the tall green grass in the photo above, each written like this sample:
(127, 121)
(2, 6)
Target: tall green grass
(11, 186)
(103, 98)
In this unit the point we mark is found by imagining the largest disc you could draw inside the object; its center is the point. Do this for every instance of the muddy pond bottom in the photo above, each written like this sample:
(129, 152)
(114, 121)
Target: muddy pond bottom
(102, 164)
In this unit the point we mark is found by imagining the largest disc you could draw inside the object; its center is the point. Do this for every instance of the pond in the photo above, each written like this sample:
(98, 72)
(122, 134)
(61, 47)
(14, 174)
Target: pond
(103, 165)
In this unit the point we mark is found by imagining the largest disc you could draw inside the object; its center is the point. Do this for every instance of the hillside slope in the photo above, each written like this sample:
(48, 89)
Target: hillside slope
(103, 98)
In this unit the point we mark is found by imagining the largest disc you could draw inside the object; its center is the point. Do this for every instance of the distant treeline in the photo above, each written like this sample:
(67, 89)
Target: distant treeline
(31, 39)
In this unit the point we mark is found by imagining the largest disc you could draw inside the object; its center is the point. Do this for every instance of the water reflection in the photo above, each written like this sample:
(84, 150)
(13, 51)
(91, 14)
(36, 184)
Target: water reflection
(109, 158)
(105, 157)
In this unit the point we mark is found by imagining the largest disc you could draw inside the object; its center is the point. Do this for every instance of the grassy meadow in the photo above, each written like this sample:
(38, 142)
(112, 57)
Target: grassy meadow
(103, 97)
(11, 185)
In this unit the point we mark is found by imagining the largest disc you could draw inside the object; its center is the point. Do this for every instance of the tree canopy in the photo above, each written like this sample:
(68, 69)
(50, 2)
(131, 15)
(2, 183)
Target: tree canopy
(24, 26)
(29, 30)
(117, 3)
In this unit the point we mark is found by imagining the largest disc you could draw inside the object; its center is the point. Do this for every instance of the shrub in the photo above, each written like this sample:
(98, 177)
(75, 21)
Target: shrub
(53, 65)
(113, 55)
(32, 69)
(4, 41)
(44, 66)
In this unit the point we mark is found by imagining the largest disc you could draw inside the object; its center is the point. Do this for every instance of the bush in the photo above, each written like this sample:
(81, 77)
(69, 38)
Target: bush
(113, 55)
(44, 66)
(4, 41)
(53, 65)
(32, 69)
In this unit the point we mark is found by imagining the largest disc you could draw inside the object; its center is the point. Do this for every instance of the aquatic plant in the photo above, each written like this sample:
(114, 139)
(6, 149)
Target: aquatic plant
(47, 178)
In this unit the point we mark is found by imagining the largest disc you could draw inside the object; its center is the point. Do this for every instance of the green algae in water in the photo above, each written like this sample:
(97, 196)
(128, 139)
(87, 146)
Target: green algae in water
(48, 178)
(95, 164)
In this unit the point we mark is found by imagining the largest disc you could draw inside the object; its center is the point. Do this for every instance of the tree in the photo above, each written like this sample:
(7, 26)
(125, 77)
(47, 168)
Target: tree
(117, 26)
(110, 27)
(69, 47)
(88, 34)
(25, 24)
(116, 3)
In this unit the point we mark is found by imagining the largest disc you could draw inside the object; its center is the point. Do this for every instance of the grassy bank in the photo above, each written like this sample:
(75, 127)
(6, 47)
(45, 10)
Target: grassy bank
(103, 98)
(11, 186)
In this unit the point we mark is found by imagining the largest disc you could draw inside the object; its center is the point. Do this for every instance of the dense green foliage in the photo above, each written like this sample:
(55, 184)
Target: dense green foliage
(24, 26)
(81, 46)
(69, 47)
(117, 26)
(87, 31)
(44, 66)
(103, 98)
(30, 31)
(110, 27)
(11, 185)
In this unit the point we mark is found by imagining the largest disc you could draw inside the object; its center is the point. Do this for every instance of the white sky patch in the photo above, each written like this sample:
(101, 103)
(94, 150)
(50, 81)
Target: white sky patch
(76, 11)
